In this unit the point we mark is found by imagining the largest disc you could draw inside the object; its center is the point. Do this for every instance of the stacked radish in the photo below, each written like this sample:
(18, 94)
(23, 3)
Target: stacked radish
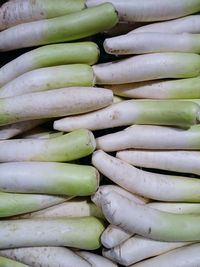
(46, 179)
(45, 187)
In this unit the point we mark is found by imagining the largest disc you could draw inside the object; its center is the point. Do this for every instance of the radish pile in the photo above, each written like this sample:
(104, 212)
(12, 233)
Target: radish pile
(75, 190)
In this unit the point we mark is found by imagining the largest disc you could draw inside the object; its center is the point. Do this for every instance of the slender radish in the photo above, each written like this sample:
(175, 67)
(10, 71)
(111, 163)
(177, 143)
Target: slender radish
(45, 257)
(68, 147)
(11, 130)
(50, 55)
(152, 137)
(96, 260)
(152, 42)
(114, 236)
(138, 248)
(14, 204)
(163, 112)
(53, 103)
(150, 10)
(187, 256)
(48, 178)
(49, 78)
(148, 67)
(76, 207)
(83, 233)
(5, 262)
(188, 24)
(151, 185)
(178, 161)
(15, 12)
(162, 89)
(60, 29)
(148, 222)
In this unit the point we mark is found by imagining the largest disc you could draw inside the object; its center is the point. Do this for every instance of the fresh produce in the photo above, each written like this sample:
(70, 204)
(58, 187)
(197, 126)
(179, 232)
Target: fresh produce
(5, 262)
(67, 147)
(14, 204)
(45, 257)
(151, 185)
(60, 29)
(161, 89)
(53, 103)
(151, 10)
(177, 113)
(81, 233)
(50, 55)
(152, 42)
(48, 178)
(152, 137)
(148, 222)
(49, 78)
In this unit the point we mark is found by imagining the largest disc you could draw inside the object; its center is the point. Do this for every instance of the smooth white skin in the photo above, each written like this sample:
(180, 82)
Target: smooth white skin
(121, 113)
(150, 10)
(147, 137)
(46, 257)
(11, 130)
(187, 256)
(76, 207)
(179, 208)
(151, 185)
(41, 133)
(44, 79)
(104, 189)
(56, 103)
(147, 42)
(138, 248)
(114, 236)
(96, 260)
(190, 24)
(25, 35)
(148, 67)
(178, 161)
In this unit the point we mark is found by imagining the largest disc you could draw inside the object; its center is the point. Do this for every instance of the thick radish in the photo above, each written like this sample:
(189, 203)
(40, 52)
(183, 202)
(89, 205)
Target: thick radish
(45, 257)
(49, 78)
(81, 233)
(76, 207)
(162, 89)
(151, 185)
(50, 55)
(104, 189)
(148, 222)
(48, 178)
(187, 256)
(5, 262)
(60, 29)
(68, 147)
(114, 236)
(178, 161)
(14, 204)
(152, 137)
(148, 42)
(163, 112)
(188, 24)
(148, 67)
(53, 103)
(15, 12)
(11, 130)
(96, 260)
(151, 10)
(138, 248)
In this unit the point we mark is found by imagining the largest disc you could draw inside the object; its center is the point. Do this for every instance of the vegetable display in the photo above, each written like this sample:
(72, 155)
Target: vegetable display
(99, 133)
